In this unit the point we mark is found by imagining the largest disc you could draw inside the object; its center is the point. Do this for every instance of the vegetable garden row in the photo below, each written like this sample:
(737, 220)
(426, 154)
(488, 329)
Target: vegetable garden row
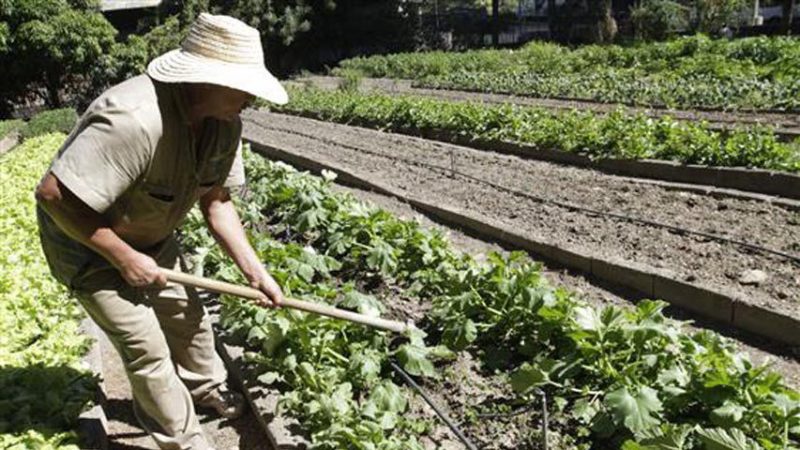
(615, 135)
(43, 382)
(759, 73)
(628, 377)
(618, 377)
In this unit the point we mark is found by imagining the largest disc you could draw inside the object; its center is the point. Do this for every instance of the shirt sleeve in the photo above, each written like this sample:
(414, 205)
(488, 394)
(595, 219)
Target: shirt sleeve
(104, 158)
(236, 176)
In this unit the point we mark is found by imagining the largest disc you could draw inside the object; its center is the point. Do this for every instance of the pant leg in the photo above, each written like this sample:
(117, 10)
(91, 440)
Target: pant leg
(162, 403)
(187, 328)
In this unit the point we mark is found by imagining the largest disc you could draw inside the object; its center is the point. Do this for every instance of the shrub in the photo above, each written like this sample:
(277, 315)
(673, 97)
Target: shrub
(9, 126)
(57, 120)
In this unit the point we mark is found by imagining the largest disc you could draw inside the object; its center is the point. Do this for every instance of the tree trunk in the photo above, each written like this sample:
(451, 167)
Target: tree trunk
(551, 18)
(52, 85)
(605, 29)
(788, 15)
(495, 22)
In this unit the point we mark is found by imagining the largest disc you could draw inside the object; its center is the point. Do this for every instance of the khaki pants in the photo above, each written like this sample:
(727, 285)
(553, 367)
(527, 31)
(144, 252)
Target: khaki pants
(167, 347)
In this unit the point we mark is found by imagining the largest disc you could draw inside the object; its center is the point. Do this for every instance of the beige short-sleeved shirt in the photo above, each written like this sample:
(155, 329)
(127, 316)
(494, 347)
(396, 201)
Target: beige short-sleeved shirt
(134, 159)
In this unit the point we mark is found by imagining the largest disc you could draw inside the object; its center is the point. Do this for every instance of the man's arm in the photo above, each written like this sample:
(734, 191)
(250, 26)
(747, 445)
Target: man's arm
(224, 223)
(83, 224)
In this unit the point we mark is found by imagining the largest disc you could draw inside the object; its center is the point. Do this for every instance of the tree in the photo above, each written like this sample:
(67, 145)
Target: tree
(606, 24)
(495, 22)
(306, 33)
(787, 16)
(53, 49)
(657, 19)
(713, 15)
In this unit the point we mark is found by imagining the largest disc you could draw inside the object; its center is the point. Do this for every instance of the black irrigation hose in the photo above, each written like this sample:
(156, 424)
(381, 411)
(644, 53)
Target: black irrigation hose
(623, 217)
(442, 415)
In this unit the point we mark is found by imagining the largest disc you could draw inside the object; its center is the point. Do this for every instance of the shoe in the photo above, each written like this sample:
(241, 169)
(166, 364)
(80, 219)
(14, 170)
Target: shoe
(226, 403)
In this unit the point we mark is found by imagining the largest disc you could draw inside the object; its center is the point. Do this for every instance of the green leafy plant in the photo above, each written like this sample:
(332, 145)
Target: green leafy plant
(687, 72)
(42, 379)
(614, 135)
(619, 377)
(10, 126)
(52, 121)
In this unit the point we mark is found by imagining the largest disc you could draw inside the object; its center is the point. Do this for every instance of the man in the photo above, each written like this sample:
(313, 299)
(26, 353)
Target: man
(142, 154)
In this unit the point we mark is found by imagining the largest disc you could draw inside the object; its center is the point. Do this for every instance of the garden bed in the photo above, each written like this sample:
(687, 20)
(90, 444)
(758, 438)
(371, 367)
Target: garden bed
(46, 385)
(617, 143)
(785, 125)
(335, 377)
(409, 165)
(691, 72)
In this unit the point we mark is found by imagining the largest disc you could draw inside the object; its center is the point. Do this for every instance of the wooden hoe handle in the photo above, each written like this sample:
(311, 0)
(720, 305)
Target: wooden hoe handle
(222, 287)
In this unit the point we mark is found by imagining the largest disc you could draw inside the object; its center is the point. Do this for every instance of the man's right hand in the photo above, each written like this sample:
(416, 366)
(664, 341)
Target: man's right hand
(140, 270)
(90, 228)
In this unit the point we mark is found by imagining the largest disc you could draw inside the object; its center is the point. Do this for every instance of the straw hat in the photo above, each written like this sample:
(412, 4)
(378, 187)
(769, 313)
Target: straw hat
(220, 50)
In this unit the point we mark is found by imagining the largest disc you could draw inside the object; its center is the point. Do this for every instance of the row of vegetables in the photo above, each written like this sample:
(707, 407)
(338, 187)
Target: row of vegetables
(44, 385)
(759, 73)
(614, 135)
(629, 377)
(619, 377)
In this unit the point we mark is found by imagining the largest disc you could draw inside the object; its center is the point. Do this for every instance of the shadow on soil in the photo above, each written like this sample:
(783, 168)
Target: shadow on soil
(42, 398)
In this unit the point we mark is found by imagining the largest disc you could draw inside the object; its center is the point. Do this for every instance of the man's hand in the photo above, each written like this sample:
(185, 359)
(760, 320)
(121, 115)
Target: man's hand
(90, 228)
(140, 270)
(273, 296)
(225, 225)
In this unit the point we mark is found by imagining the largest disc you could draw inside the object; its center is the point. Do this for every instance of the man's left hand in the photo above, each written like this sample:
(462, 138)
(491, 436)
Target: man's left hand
(273, 296)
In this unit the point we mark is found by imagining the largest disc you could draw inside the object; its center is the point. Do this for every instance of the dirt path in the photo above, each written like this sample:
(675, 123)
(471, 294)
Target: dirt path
(124, 432)
(785, 124)
(535, 206)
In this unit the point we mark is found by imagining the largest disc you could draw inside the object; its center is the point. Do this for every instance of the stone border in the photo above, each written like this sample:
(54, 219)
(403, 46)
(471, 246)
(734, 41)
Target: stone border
(718, 306)
(282, 433)
(9, 141)
(760, 181)
(93, 424)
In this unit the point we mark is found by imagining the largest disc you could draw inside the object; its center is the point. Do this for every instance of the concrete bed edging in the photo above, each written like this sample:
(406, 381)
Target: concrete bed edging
(93, 423)
(282, 433)
(761, 181)
(707, 303)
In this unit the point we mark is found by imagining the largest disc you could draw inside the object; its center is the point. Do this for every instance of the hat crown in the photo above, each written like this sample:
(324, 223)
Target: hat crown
(224, 38)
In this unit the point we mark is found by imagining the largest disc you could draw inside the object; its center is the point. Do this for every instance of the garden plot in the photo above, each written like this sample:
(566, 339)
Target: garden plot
(691, 72)
(783, 358)
(44, 384)
(508, 332)
(683, 256)
(786, 125)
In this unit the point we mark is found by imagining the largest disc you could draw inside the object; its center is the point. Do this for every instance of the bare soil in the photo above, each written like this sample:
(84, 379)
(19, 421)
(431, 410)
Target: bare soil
(404, 162)
(124, 432)
(785, 124)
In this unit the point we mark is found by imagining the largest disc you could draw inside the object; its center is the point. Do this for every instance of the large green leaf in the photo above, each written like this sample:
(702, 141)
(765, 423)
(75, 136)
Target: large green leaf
(460, 334)
(415, 360)
(727, 415)
(721, 439)
(637, 410)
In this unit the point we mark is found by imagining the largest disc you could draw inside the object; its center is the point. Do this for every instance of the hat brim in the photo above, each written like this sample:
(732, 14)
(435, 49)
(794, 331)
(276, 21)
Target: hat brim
(178, 66)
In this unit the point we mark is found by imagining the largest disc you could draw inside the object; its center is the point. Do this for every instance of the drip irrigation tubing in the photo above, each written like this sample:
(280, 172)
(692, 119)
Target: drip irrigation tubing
(560, 204)
(442, 415)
